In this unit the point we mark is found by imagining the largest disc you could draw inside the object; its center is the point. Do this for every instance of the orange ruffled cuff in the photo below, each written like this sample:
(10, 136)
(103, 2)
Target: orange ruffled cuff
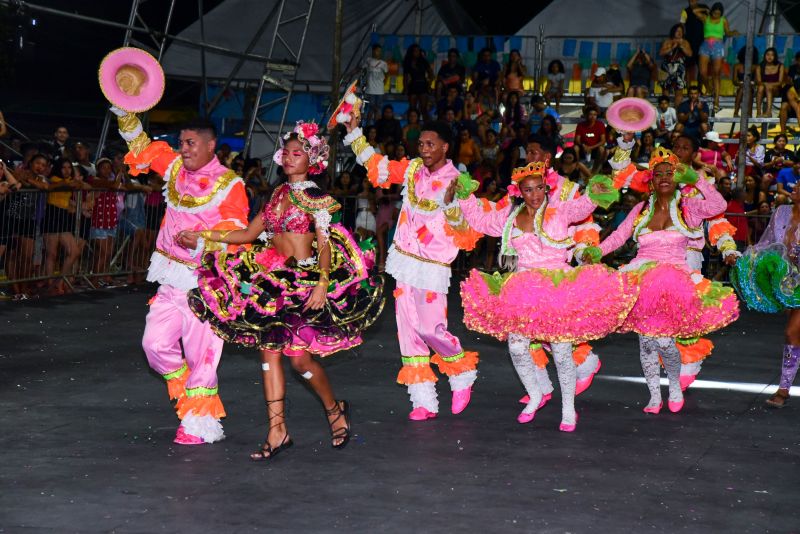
(157, 156)
(176, 387)
(580, 353)
(464, 239)
(718, 229)
(415, 374)
(697, 351)
(200, 405)
(539, 357)
(468, 362)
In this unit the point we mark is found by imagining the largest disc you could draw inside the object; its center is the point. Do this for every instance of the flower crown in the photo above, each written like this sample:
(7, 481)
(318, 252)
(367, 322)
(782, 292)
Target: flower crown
(537, 168)
(314, 145)
(663, 155)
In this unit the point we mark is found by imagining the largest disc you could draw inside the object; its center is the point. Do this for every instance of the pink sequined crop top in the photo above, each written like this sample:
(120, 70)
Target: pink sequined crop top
(292, 219)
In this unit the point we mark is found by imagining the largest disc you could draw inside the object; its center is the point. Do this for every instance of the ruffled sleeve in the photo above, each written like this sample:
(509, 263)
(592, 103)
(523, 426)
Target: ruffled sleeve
(696, 209)
(143, 154)
(625, 230)
(381, 171)
(485, 216)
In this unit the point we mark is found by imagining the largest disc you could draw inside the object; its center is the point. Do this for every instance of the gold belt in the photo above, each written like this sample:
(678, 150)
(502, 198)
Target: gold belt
(178, 260)
(420, 258)
(695, 249)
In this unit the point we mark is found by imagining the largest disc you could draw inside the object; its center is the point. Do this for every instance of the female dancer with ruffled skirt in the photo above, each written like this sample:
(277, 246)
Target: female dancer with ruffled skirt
(543, 299)
(674, 300)
(767, 277)
(305, 292)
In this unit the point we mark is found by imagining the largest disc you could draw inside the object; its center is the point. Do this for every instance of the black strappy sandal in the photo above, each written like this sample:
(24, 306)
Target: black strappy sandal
(267, 451)
(340, 409)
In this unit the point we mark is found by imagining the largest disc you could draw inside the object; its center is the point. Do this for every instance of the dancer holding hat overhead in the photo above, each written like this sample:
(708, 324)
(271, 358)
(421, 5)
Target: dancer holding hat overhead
(201, 194)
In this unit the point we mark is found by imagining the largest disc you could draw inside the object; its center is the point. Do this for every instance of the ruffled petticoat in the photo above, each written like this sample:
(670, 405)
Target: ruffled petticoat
(255, 298)
(767, 280)
(548, 305)
(676, 302)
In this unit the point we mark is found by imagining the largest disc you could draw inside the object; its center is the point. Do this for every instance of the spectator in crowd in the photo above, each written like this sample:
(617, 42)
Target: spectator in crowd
(60, 140)
(372, 139)
(779, 157)
(602, 91)
(514, 113)
(753, 195)
(676, 51)
(556, 77)
(104, 219)
(490, 149)
(237, 164)
(343, 186)
(786, 181)
(224, 154)
(365, 210)
(693, 26)
(713, 154)
(487, 249)
(754, 156)
(725, 186)
(590, 138)
(644, 148)
(549, 130)
(388, 127)
(133, 219)
(3, 125)
(737, 77)
(666, 120)
(400, 152)
(769, 79)
(21, 216)
(452, 123)
(467, 152)
(513, 73)
(512, 155)
(736, 206)
(760, 221)
(790, 106)
(411, 132)
(376, 69)
(568, 166)
(59, 221)
(154, 209)
(417, 76)
(8, 186)
(486, 75)
(640, 73)
(451, 100)
(451, 74)
(693, 114)
(80, 153)
(540, 110)
(715, 30)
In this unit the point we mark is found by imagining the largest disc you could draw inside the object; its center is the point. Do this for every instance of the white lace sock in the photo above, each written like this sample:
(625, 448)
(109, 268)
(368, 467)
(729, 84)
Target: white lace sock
(648, 356)
(672, 364)
(585, 370)
(565, 366)
(463, 380)
(691, 369)
(424, 394)
(519, 349)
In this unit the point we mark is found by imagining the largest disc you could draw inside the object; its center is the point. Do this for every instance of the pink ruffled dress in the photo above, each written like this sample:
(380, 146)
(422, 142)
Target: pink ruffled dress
(674, 300)
(545, 298)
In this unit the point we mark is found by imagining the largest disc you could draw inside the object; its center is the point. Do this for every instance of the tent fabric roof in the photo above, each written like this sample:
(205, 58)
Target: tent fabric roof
(233, 24)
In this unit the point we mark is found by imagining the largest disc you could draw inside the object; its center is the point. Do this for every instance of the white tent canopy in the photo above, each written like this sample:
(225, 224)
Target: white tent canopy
(233, 24)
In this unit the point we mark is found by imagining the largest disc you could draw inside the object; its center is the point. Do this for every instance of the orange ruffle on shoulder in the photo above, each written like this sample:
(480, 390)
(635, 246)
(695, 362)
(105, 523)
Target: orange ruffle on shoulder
(415, 374)
(469, 362)
(200, 405)
(234, 208)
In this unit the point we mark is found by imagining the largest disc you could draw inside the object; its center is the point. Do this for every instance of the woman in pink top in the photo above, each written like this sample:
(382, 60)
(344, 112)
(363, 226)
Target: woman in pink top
(543, 299)
(674, 301)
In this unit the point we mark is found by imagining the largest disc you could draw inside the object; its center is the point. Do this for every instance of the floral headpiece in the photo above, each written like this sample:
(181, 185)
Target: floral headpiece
(537, 168)
(314, 145)
(663, 155)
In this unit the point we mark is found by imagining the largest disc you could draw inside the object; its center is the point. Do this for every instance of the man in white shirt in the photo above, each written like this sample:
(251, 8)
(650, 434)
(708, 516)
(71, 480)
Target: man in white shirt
(376, 69)
(666, 120)
(602, 91)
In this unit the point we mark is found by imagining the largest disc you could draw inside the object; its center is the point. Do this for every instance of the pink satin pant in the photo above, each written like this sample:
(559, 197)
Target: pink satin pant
(422, 322)
(170, 322)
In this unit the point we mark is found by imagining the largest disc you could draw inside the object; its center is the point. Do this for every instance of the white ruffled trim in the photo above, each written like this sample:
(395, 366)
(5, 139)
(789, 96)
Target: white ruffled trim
(734, 253)
(130, 136)
(167, 173)
(351, 98)
(586, 369)
(322, 219)
(696, 278)
(691, 369)
(342, 118)
(203, 426)
(416, 273)
(265, 236)
(424, 394)
(463, 380)
(213, 203)
(365, 155)
(383, 170)
(201, 246)
(694, 259)
(352, 136)
(171, 273)
(620, 166)
(119, 112)
(625, 145)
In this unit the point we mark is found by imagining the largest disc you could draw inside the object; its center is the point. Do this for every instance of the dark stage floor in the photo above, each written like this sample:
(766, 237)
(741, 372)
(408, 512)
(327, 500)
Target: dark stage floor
(87, 429)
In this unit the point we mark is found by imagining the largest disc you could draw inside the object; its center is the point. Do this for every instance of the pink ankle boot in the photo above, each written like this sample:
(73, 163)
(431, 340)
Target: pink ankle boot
(421, 413)
(461, 399)
(583, 385)
(183, 438)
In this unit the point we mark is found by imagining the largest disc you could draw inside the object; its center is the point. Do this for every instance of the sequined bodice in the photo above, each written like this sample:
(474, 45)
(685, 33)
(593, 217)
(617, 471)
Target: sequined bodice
(292, 219)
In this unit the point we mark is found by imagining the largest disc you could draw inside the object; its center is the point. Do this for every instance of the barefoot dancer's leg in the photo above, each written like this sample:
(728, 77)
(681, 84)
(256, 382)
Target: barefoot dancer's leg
(274, 394)
(314, 373)
(791, 359)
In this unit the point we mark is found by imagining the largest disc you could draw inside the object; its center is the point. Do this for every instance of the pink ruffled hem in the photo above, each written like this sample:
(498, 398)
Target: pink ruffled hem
(670, 304)
(551, 305)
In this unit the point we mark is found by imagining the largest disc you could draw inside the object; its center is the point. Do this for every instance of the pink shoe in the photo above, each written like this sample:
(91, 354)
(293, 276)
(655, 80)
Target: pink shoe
(526, 417)
(675, 407)
(583, 384)
(545, 398)
(183, 438)
(461, 400)
(653, 409)
(686, 381)
(564, 427)
(421, 414)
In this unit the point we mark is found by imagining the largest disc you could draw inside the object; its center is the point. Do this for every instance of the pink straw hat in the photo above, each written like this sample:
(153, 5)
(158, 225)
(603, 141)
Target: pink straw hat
(131, 79)
(631, 114)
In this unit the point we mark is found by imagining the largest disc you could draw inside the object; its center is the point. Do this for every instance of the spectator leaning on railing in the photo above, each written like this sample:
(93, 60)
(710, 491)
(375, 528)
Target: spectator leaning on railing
(104, 219)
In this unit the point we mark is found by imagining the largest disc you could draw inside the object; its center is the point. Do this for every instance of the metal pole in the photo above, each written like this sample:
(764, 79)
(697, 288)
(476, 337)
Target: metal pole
(101, 143)
(747, 94)
(166, 30)
(772, 20)
(537, 72)
(204, 111)
(418, 18)
(335, 79)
